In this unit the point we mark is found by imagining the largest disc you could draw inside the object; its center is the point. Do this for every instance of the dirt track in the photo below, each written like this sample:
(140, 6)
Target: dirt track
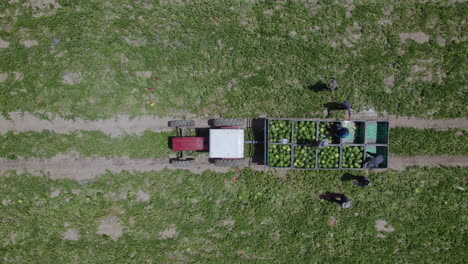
(401, 162)
(88, 168)
(123, 124)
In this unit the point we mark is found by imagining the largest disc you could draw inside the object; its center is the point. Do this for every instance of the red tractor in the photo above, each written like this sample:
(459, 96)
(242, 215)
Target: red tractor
(225, 142)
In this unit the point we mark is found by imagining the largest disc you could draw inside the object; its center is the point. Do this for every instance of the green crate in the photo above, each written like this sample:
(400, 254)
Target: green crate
(354, 153)
(328, 131)
(305, 157)
(305, 132)
(333, 154)
(279, 129)
(382, 150)
(377, 132)
(279, 155)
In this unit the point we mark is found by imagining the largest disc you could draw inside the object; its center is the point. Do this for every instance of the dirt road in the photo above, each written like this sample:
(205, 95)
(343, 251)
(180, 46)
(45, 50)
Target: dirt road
(123, 124)
(69, 167)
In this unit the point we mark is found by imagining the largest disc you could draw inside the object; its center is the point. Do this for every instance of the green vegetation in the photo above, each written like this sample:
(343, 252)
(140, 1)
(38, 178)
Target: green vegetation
(279, 129)
(279, 156)
(94, 59)
(304, 157)
(411, 141)
(353, 157)
(304, 132)
(329, 157)
(48, 144)
(326, 130)
(255, 219)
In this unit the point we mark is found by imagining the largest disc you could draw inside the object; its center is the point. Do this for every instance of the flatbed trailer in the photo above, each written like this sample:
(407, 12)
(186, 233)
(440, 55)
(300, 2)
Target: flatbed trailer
(365, 136)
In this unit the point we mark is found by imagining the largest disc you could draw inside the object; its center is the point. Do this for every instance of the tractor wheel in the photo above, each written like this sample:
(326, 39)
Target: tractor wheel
(183, 163)
(181, 123)
(230, 162)
(224, 122)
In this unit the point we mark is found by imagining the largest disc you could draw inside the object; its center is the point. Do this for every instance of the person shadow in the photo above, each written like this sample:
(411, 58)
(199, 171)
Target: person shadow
(348, 177)
(334, 197)
(318, 87)
(332, 106)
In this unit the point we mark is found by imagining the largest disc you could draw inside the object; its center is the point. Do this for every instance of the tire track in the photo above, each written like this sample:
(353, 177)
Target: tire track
(68, 167)
(402, 162)
(122, 124)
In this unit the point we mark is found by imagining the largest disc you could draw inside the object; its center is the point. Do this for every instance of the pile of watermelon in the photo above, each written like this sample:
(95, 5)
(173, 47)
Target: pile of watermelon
(353, 157)
(279, 156)
(304, 132)
(329, 157)
(280, 129)
(326, 129)
(304, 157)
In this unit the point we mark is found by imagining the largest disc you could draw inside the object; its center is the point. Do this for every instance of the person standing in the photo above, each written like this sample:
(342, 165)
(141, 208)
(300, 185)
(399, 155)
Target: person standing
(374, 161)
(333, 85)
(346, 105)
(339, 198)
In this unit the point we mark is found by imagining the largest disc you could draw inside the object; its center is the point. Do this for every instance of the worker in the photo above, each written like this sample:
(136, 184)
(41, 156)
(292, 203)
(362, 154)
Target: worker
(361, 181)
(374, 161)
(322, 143)
(333, 85)
(346, 105)
(341, 132)
(339, 198)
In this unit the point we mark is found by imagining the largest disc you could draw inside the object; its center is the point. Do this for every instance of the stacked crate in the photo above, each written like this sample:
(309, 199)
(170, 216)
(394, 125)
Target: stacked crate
(288, 143)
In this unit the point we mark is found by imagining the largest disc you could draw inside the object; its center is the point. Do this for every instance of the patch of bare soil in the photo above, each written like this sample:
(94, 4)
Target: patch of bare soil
(402, 162)
(42, 4)
(3, 77)
(135, 43)
(10, 240)
(71, 234)
(72, 78)
(144, 74)
(4, 44)
(441, 41)
(229, 223)
(169, 233)
(18, 76)
(55, 193)
(29, 43)
(390, 81)
(383, 226)
(110, 227)
(142, 197)
(419, 37)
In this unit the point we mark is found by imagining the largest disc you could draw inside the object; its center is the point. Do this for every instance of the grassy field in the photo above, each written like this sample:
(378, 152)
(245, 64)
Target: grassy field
(46, 144)
(94, 59)
(176, 216)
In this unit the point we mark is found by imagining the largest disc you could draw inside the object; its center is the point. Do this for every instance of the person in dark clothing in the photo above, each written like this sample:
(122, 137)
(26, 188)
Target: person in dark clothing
(341, 132)
(361, 181)
(333, 85)
(337, 198)
(346, 105)
(374, 161)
